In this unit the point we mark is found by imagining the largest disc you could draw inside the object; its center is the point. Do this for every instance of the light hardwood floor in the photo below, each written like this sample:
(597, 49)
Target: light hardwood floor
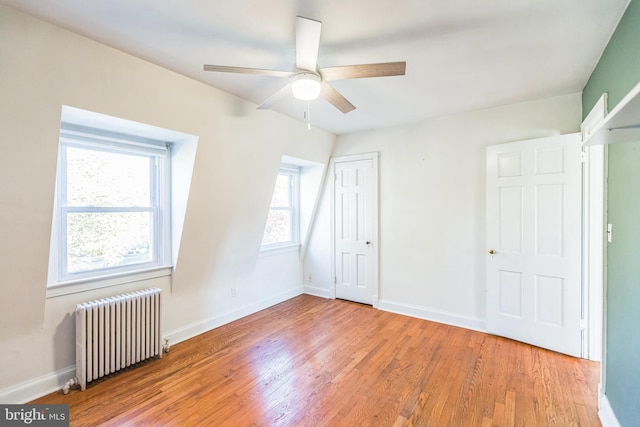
(311, 361)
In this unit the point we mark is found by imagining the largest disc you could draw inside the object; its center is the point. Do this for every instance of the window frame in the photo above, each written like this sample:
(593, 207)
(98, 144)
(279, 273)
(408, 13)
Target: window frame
(100, 140)
(293, 172)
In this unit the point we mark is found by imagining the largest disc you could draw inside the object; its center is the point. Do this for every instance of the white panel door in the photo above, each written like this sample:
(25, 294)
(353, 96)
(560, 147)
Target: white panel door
(354, 228)
(534, 242)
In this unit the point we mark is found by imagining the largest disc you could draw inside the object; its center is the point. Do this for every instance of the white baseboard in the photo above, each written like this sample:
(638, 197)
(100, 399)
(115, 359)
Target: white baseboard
(434, 315)
(317, 291)
(37, 387)
(605, 413)
(411, 310)
(189, 331)
(49, 383)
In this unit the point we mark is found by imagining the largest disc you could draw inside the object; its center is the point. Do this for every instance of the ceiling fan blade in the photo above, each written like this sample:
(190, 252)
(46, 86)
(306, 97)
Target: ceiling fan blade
(336, 99)
(307, 43)
(242, 70)
(363, 70)
(286, 90)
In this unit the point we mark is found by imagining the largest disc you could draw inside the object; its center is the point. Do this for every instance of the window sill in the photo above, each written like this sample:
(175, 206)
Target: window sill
(277, 250)
(92, 283)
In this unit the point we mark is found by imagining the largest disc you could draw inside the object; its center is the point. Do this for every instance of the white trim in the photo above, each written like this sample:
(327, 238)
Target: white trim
(279, 249)
(593, 211)
(373, 156)
(594, 190)
(605, 413)
(595, 117)
(419, 312)
(37, 387)
(91, 283)
(621, 123)
(86, 137)
(439, 316)
(317, 291)
(191, 330)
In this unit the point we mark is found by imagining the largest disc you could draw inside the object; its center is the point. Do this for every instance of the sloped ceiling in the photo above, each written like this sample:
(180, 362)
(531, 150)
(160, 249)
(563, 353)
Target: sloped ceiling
(461, 54)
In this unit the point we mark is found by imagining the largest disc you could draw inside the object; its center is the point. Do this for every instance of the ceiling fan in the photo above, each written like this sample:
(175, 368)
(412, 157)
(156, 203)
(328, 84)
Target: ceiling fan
(307, 80)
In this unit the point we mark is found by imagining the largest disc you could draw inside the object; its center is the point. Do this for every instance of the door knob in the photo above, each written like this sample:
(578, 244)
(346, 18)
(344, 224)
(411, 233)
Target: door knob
(491, 251)
(368, 243)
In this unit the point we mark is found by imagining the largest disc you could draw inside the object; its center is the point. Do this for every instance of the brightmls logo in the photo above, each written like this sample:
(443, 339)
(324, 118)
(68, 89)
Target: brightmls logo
(34, 415)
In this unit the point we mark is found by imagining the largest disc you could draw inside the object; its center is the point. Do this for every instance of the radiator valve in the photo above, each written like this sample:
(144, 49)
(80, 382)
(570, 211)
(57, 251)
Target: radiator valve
(69, 384)
(166, 347)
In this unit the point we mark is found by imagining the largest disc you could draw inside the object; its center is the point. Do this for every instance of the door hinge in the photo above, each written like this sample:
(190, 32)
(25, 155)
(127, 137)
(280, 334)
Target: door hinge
(583, 324)
(335, 280)
(583, 156)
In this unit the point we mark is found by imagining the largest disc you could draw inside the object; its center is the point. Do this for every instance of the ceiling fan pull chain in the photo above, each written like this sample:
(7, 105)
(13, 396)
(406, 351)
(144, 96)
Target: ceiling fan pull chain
(308, 114)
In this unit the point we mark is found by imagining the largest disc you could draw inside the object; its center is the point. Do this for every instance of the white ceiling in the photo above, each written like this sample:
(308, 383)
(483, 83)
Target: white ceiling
(461, 54)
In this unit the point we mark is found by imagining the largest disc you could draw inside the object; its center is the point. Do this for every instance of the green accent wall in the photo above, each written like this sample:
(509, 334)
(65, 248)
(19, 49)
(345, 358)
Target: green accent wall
(617, 72)
(623, 283)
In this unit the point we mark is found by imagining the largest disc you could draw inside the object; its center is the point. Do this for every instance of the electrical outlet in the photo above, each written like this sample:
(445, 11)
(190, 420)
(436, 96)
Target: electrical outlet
(233, 293)
(309, 278)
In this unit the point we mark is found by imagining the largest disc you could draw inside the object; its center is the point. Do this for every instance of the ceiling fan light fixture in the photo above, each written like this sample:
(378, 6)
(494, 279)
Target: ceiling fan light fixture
(306, 86)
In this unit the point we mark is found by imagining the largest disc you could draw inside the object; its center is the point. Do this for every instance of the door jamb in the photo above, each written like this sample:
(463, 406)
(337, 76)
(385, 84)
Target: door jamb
(594, 217)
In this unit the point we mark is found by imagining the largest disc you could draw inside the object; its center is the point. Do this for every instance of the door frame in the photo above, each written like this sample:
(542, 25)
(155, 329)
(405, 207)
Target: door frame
(594, 218)
(373, 156)
(594, 253)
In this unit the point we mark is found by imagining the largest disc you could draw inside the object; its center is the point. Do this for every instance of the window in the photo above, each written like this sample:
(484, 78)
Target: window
(112, 213)
(282, 227)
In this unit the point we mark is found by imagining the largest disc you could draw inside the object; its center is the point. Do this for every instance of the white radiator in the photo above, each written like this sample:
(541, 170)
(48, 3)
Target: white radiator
(114, 333)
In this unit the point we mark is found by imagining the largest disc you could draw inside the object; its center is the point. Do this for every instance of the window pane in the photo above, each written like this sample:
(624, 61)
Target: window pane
(278, 228)
(104, 179)
(101, 240)
(281, 193)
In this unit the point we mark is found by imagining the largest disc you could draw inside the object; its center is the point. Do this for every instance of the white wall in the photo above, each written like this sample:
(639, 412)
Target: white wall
(432, 206)
(43, 67)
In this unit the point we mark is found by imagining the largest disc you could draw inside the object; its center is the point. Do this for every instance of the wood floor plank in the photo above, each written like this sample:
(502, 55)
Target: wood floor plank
(312, 361)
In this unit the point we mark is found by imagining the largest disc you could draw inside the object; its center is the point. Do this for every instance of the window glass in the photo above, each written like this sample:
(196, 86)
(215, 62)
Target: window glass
(282, 192)
(108, 239)
(281, 228)
(100, 178)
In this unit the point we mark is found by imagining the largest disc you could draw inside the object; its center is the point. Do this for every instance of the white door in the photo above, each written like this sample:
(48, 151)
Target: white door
(534, 242)
(355, 228)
